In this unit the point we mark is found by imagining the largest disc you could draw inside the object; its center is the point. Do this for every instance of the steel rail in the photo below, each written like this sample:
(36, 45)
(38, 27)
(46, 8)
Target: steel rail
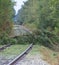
(4, 47)
(21, 55)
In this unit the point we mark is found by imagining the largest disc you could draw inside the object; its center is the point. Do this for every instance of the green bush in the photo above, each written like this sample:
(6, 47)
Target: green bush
(25, 39)
(4, 39)
(13, 41)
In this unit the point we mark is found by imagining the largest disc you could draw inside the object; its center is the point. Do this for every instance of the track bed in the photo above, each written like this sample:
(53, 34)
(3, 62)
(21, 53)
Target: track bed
(10, 53)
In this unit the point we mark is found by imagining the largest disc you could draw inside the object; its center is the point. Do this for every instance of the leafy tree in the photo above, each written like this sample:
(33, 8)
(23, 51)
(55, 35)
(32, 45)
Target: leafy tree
(45, 15)
(6, 15)
(49, 15)
(29, 12)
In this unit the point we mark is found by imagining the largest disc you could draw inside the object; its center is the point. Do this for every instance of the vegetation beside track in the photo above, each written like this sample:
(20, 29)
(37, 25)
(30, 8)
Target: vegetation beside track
(13, 51)
(49, 55)
(45, 53)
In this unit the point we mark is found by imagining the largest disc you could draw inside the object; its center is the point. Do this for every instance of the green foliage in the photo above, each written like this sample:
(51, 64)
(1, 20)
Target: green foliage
(6, 15)
(6, 19)
(29, 12)
(45, 15)
(25, 39)
(48, 15)
(4, 39)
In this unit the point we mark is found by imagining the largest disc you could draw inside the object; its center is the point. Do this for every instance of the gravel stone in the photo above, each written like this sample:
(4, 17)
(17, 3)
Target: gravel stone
(34, 60)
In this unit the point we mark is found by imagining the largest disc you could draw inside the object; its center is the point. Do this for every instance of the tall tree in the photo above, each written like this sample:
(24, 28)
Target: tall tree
(29, 12)
(49, 14)
(45, 15)
(6, 15)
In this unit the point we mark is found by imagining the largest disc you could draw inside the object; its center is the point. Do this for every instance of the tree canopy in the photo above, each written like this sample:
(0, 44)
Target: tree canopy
(45, 15)
(6, 15)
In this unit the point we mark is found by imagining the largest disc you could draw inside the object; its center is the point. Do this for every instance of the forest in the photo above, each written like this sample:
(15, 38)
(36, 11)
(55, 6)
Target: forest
(40, 18)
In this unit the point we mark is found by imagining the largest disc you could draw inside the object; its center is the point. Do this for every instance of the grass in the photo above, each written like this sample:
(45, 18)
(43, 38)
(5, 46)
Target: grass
(47, 54)
(35, 51)
(13, 51)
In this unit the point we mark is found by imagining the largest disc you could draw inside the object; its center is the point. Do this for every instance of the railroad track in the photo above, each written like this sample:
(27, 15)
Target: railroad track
(21, 56)
(4, 47)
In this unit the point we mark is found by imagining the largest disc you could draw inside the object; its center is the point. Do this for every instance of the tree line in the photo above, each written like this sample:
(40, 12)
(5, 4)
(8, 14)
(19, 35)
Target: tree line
(45, 15)
(6, 16)
(6, 20)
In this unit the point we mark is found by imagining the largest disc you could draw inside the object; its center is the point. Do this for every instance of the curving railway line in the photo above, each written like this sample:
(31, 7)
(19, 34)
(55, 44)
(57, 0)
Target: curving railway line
(21, 56)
